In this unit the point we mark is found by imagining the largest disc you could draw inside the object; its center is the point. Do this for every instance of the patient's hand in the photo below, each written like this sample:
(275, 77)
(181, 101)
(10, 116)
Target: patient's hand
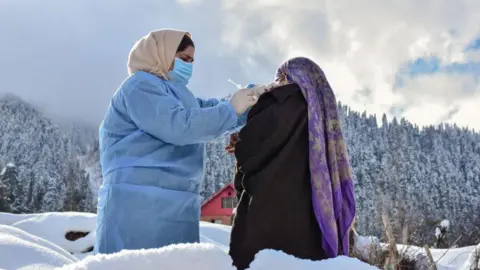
(234, 138)
(272, 85)
(275, 84)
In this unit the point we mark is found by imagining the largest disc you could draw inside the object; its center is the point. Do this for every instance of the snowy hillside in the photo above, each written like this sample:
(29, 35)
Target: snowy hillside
(90, 162)
(38, 238)
(420, 176)
(43, 173)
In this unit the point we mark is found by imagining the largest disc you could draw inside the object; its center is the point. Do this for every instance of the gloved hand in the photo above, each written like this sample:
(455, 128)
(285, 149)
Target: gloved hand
(242, 100)
(258, 90)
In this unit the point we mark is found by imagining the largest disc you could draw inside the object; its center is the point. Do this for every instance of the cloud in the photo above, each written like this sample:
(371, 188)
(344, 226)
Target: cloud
(76, 52)
(363, 45)
(442, 97)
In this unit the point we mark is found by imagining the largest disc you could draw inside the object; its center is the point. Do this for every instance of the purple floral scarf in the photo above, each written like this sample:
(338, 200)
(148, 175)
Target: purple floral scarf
(331, 174)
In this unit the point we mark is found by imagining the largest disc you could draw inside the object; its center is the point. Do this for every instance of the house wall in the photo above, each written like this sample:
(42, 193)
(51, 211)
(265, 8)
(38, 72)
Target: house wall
(214, 207)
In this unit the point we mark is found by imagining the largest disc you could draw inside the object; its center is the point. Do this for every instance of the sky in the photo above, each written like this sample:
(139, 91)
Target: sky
(418, 59)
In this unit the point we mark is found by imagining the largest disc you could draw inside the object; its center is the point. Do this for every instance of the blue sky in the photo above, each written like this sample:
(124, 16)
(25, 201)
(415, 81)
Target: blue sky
(474, 45)
(69, 57)
(432, 64)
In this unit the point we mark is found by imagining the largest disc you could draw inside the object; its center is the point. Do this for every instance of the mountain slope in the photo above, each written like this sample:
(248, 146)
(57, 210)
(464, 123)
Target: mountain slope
(420, 176)
(45, 174)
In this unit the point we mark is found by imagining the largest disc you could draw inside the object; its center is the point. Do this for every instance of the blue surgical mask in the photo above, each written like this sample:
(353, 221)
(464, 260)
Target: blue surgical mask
(182, 70)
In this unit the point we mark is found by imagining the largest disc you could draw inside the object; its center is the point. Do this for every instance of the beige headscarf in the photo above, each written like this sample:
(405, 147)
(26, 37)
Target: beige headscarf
(155, 52)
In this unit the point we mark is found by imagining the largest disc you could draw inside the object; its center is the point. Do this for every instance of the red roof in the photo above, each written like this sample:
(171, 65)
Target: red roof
(228, 186)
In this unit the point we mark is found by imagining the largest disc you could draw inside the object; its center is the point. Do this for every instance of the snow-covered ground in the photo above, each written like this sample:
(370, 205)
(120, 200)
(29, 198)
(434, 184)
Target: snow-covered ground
(54, 227)
(446, 259)
(38, 242)
(21, 250)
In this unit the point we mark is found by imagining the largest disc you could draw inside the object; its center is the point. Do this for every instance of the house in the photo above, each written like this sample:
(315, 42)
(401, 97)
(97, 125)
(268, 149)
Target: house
(219, 207)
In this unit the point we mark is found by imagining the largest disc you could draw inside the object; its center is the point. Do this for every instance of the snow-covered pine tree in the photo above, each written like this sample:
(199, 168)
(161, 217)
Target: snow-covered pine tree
(16, 192)
(72, 183)
(5, 190)
(441, 232)
(85, 195)
(35, 145)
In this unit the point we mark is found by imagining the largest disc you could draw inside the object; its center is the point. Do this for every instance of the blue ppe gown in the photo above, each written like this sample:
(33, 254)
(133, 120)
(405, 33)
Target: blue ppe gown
(152, 145)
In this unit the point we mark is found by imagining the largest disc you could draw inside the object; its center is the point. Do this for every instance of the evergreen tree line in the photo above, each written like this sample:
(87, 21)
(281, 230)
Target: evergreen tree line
(419, 176)
(39, 164)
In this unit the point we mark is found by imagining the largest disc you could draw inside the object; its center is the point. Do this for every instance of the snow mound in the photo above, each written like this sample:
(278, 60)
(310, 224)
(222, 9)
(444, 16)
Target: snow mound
(9, 219)
(365, 246)
(271, 259)
(472, 260)
(55, 226)
(15, 232)
(174, 257)
(205, 257)
(20, 250)
(42, 244)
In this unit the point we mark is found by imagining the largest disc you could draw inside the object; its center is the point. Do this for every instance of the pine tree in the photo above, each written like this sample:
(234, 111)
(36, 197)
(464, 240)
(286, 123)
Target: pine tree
(17, 193)
(5, 192)
(85, 195)
(8, 184)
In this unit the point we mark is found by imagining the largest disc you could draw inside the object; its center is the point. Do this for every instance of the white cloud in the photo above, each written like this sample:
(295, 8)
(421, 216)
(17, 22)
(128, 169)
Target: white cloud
(439, 88)
(363, 44)
(439, 98)
(187, 2)
(468, 114)
(78, 52)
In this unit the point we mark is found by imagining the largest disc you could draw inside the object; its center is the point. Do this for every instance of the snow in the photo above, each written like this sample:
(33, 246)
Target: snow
(446, 259)
(216, 234)
(438, 232)
(9, 219)
(445, 224)
(54, 227)
(40, 239)
(270, 259)
(451, 259)
(206, 257)
(473, 258)
(10, 165)
(365, 245)
(19, 250)
(178, 257)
